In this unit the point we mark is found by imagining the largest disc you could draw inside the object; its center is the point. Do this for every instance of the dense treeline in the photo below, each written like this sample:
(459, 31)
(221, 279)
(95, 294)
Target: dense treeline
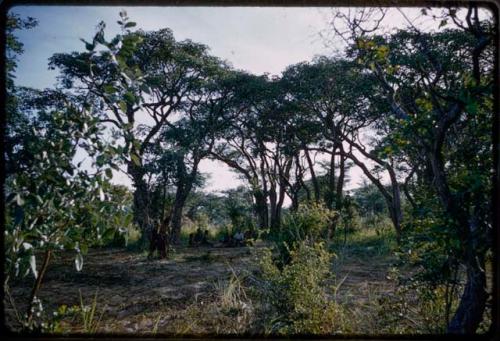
(412, 109)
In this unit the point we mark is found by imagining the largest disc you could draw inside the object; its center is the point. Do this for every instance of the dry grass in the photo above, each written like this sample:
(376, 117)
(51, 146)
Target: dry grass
(205, 291)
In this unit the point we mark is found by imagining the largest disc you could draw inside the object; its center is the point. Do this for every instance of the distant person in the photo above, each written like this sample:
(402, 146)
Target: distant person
(239, 239)
(204, 240)
(198, 237)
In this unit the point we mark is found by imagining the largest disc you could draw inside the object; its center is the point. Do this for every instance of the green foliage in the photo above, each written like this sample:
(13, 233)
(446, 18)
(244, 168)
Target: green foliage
(366, 242)
(52, 202)
(88, 315)
(310, 222)
(295, 301)
(369, 200)
(432, 245)
(416, 306)
(349, 216)
(422, 94)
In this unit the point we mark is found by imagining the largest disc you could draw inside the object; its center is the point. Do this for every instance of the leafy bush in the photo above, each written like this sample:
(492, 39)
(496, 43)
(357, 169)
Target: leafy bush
(295, 301)
(349, 218)
(417, 306)
(309, 222)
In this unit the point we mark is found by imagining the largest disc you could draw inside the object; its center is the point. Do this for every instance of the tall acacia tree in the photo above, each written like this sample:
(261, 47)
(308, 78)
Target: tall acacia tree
(141, 81)
(254, 144)
(341, 101)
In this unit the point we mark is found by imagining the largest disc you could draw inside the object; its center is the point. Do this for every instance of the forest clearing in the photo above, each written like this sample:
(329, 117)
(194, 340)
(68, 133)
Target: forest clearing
(154, 188)
(185, 294)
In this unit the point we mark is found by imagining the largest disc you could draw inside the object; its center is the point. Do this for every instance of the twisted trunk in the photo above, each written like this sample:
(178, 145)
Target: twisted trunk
(470, 311)
(261, 209)
(330, 199)
(314, 179)
(176, 217)
(184, 187)
(340, 184)
(141, 203)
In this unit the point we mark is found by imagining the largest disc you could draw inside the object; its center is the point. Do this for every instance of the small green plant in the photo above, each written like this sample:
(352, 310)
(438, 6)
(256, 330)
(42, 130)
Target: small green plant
(232, 294)
(415, 306)
(294, 297)
(309, 222)
(156, 324)
(88, 315)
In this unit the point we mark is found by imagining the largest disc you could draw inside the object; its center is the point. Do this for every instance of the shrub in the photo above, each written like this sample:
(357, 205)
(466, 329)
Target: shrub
(295, 299)
(310, 222)
(350, 219)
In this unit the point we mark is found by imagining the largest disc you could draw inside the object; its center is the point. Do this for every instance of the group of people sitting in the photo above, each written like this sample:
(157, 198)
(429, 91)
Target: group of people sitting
(237, 239)
(200, 238)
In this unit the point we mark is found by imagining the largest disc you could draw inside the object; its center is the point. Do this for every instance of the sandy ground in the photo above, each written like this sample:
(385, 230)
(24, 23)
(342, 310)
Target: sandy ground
(132, 290)
(135, 294)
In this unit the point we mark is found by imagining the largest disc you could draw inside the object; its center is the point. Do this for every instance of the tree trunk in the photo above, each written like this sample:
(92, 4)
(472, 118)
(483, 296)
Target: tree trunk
(38, 284)
(340, 184)
(184, 186)
(176, 222)
(472, 304)
(329, 199)
(473, 301)
(314, 180)
(295, 201)
(273, 201)
(392, 199)
(176, 217)
(261, 209)
(141, 203)
(396, 211)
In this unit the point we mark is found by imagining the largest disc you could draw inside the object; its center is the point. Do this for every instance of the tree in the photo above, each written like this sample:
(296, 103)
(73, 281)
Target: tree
(439, 88)
(139, 75)
(341, 100)
(48, 195)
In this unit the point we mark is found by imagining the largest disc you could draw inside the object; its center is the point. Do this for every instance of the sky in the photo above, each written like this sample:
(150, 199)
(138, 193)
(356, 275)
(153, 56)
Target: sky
(259, 40)
(256, 39)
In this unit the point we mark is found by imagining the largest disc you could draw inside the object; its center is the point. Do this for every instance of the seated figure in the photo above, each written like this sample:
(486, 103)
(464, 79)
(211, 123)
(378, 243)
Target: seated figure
(204, 240)
(239, 239)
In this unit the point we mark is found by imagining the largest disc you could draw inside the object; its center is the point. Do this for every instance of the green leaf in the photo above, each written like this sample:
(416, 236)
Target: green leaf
(109, 234)
(88, 46)
(471, 108)
(109, 173)
(109, 89)
(84, 248)
(135, 159)
(27, 246)
(100, 160)
(129, 97)
(123, 106)
(145, 88)
(130, 24)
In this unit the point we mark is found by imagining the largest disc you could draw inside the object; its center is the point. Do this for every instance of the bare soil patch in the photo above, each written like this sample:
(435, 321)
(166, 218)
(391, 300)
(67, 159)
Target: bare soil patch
(137, 295)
